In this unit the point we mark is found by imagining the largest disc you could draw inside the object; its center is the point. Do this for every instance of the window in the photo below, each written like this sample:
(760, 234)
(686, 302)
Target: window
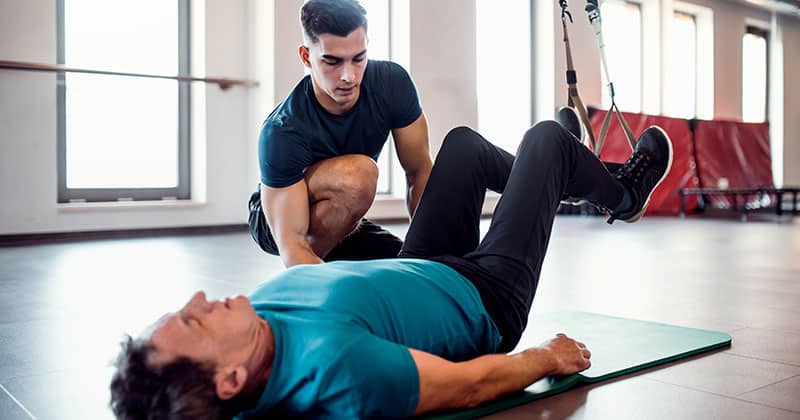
(688, 68)
(503, 70)
(680, 99)
(622, 34)
(379, 33)
(754, 75)
(379, 28)
(123, 137)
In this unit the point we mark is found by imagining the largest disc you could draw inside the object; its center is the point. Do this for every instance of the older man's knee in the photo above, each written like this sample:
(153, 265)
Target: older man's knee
(543, 138)
(462, 143)
(545, 129)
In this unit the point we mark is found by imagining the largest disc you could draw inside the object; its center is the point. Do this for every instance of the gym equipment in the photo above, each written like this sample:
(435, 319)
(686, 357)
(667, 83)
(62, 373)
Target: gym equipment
(595, 20)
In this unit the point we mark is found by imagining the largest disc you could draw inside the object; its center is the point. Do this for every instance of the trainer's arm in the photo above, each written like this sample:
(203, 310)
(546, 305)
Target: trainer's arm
(444, 384)
(413, 152)
(287, 212)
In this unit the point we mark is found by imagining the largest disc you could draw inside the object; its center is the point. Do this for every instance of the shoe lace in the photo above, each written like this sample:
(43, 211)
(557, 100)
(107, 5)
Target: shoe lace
(634, 168)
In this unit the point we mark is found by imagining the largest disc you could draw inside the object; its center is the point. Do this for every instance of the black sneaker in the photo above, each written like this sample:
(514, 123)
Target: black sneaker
(643, 172)
(569, 119)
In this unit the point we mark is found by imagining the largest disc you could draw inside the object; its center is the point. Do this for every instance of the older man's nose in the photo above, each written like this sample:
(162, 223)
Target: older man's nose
(199, 303)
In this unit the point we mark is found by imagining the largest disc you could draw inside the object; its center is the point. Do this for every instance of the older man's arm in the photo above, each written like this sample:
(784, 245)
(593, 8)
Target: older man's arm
(445, 384)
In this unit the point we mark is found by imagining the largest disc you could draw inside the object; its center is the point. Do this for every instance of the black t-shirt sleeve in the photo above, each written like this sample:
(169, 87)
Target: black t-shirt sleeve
(403, 99)
(283, 155)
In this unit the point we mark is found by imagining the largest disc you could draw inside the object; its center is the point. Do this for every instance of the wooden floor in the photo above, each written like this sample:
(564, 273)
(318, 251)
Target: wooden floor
(64, 307)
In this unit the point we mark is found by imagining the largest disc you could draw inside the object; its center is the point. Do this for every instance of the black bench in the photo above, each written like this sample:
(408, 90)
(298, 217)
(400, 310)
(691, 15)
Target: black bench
(745, 193)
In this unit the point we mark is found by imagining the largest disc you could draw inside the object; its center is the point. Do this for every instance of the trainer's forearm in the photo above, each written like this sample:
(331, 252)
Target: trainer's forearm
(293, 245)
(297, 251)
(416, 186)
(502, 374)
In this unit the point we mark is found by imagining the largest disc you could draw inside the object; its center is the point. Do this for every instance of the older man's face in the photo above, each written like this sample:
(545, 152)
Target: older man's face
(218, 332)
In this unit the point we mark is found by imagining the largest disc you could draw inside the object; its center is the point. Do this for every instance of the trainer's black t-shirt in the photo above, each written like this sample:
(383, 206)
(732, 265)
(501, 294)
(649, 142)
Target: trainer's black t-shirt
(299, 132)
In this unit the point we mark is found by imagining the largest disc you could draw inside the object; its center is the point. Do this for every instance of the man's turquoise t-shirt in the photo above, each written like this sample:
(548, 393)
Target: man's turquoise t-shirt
(343, 329)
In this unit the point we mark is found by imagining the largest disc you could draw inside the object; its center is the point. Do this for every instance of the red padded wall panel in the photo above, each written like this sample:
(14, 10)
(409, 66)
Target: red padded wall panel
(738, 152)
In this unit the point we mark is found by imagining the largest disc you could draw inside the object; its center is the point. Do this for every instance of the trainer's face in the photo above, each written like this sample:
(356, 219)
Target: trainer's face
(220, 332)
(337, 66)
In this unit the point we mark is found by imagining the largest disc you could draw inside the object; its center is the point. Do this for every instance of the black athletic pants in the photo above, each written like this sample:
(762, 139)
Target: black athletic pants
(505, 266)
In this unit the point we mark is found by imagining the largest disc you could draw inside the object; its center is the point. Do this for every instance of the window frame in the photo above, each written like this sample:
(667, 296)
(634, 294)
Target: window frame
(182, 191)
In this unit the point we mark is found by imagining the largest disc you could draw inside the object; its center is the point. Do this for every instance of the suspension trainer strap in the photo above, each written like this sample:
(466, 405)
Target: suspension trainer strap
(604, 130)
(574, 98)
(624, 124)
(593, 12)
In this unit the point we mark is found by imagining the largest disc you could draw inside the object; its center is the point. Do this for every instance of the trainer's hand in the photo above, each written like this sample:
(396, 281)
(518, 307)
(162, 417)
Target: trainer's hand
(569, 356)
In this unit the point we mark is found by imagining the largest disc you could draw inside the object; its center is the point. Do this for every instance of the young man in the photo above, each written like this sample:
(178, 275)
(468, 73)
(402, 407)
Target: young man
(395, 337)
(317, 149)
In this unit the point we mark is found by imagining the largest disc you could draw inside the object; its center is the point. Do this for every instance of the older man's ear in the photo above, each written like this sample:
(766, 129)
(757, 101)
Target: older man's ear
(229, 381)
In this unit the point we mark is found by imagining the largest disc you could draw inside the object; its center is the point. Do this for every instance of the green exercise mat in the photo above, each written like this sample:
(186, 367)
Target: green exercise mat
(619, 346)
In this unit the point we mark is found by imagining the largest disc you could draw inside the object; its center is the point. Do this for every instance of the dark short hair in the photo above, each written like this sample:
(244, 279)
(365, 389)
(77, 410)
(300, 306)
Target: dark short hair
(181, 389)
(335, 17)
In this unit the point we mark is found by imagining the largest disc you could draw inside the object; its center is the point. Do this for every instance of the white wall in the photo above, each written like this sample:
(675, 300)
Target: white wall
(288, 36)
(791, 98)
(443, 64)
(258, 39)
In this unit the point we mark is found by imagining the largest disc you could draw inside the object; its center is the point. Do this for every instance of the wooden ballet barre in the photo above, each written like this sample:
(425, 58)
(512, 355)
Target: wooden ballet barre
(223, 83)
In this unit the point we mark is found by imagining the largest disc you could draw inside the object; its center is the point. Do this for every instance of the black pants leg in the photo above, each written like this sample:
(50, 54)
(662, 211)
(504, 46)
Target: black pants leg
(447, 216)
(505, 266)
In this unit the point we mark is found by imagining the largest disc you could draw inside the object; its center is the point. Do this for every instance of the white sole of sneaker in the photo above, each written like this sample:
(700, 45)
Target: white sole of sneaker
(639, 215)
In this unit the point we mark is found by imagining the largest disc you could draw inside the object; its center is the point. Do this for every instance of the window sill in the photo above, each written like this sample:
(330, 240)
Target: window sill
(129, 205)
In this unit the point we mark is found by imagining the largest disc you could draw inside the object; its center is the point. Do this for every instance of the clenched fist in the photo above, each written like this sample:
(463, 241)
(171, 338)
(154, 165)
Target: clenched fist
(569, 356)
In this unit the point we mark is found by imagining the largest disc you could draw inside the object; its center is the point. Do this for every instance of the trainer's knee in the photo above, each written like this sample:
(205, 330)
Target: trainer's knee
(358, 179)
(349, 179)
